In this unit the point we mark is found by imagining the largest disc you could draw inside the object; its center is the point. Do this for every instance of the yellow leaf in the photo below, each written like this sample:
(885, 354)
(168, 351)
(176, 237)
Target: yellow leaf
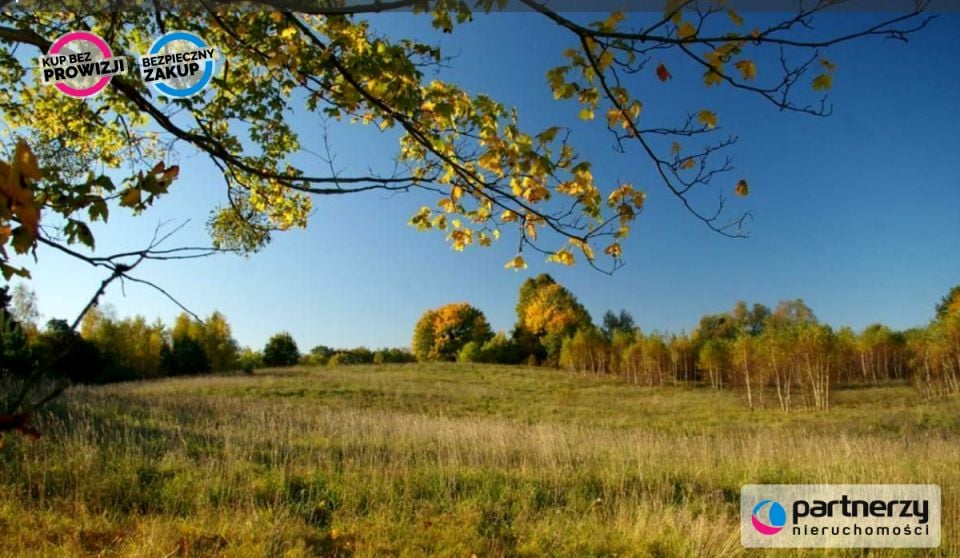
(742, 189)
(611, 22)
(713, 77)
(461, 238)
(685, 30)
(735, 17)
(828, 65)
(748, 70)
(674, 11)
(586, 114)
(531, 230)
(613, 250)
(613, 116)
(708, 118)
(587, 251)
(606, 59)
(689, 164)
(564, 257)
(516, 263)
(25, 161)
(823, 82)
(639, 198)
(130, 198)
(288, 33)
(675, 148)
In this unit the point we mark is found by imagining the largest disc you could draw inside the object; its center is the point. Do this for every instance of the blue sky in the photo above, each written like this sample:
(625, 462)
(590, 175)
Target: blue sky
(858, 213)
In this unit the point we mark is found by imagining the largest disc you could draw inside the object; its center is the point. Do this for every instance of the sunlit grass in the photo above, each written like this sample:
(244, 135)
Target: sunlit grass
(443, 460)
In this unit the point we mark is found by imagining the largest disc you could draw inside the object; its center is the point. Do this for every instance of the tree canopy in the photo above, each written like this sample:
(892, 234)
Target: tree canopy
(546, 313)
(489, 172)
(441, 333)
(68, 163)
(281, 350)
(950, 304)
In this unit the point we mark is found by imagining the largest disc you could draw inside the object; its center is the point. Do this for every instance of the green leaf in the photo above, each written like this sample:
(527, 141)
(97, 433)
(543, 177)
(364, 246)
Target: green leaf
(78, 231)
(22, 240)
(99, 210)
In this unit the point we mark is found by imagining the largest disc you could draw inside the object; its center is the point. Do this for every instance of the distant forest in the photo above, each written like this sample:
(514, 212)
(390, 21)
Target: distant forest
(780, 357)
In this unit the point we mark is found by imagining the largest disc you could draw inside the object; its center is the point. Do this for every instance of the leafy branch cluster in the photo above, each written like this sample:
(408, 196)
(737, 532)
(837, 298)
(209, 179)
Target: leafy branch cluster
(488, 173)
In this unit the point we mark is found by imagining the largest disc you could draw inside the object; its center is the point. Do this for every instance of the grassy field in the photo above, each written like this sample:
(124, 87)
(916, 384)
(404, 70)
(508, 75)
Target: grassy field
(442, 460)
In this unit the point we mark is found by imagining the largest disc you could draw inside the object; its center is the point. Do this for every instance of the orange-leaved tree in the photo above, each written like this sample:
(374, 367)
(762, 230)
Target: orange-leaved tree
(442, 332)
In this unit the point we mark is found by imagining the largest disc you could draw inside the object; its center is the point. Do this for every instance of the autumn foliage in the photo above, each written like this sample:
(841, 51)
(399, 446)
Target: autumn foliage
(782, 357)
(441, 333)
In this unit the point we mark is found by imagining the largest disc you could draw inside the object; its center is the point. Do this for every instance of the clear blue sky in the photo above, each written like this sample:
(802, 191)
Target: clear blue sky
(858, 214)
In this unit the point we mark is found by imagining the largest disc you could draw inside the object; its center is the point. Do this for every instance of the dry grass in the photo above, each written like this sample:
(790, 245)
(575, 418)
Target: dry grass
(441, 461)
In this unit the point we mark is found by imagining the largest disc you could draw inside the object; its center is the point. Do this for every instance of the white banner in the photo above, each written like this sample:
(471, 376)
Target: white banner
(840, 515)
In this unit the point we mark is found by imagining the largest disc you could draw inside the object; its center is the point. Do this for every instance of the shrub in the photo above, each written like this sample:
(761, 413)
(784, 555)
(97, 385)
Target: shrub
(319, 355)
(501, 350)
(393, 356)
(281, 350)
(249, 360)
(471, 352)
(360, 355)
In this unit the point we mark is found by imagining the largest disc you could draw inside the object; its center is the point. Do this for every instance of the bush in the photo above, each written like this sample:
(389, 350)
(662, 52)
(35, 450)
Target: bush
(281, 350)
(249, 360)
(319, 356)
(393, 356)
(471, 352)
(501, 350)
(360, 355)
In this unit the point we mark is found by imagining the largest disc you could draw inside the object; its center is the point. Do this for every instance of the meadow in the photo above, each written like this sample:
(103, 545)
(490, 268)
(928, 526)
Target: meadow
(443, 460)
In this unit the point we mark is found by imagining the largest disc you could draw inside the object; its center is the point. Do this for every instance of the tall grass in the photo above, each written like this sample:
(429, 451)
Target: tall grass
(441, 461)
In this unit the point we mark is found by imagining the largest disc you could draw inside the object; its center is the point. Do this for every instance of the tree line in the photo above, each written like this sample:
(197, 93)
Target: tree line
(111, 349)
(782, 356)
